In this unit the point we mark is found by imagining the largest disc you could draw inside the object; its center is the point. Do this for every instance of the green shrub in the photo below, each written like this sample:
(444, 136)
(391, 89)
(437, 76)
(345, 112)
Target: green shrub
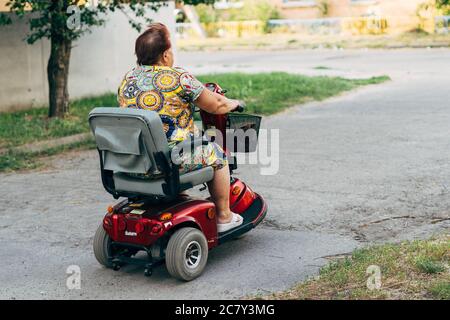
(426, 265)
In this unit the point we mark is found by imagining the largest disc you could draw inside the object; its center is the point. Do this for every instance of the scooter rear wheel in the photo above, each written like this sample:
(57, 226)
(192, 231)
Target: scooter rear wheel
(102, 247)
(186, 254)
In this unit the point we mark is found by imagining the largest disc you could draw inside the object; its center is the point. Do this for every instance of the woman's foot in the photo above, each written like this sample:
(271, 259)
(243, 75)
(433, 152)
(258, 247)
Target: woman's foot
(235, 221)
(224, 217)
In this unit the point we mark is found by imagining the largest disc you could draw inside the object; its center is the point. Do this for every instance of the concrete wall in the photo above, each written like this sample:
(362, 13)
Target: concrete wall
(99, 61)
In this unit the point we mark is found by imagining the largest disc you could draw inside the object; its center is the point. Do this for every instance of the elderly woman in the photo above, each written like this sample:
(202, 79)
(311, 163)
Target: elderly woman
(156, 85)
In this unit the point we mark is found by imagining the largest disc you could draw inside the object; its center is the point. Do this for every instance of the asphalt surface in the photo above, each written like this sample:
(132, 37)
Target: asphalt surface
(366, 167)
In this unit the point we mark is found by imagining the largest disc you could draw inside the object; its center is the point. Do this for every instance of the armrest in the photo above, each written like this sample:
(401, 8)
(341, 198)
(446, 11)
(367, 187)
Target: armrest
(190, 143)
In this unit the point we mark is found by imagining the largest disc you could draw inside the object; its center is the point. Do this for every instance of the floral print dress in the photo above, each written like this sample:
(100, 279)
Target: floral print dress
(171, 92)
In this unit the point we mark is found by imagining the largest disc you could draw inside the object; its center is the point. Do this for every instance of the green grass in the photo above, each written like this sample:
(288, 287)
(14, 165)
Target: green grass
(22, 127)
(441, 290)
(14, 160)
(409, 270)
(426, 265)
(268, 93)
(264, 93)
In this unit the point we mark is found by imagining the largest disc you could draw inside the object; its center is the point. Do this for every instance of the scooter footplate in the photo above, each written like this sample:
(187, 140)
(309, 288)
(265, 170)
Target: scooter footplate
(252, 217)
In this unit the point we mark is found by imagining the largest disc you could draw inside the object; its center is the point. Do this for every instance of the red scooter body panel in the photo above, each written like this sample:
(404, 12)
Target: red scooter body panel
(142, 224)
(241, 196)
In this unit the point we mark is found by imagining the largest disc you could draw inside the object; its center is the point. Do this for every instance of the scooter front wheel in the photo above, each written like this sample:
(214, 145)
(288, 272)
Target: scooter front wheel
(186, 254)
(102, 247)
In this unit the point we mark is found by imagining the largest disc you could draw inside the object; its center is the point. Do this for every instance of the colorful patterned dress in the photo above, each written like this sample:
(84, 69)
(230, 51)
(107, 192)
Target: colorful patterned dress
(171, 92)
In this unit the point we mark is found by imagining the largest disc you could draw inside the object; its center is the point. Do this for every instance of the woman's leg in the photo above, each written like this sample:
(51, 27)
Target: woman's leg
(219, 188)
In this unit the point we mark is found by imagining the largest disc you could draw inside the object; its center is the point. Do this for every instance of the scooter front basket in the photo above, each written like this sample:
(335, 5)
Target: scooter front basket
(243, 132)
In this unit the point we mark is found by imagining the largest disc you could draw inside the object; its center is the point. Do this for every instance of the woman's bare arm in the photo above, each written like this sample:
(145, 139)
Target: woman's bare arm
(215, 103)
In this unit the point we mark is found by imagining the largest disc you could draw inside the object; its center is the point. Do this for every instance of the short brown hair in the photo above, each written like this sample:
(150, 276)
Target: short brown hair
(151, 44)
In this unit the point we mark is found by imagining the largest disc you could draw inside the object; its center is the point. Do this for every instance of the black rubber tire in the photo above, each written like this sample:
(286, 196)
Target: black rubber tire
(102, 247)
(175, 254)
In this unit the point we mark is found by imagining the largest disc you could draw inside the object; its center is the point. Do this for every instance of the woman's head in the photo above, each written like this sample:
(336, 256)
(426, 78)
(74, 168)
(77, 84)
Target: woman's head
(153, 47)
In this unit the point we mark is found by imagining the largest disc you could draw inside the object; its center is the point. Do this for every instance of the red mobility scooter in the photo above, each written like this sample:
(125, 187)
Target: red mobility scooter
(155, 223)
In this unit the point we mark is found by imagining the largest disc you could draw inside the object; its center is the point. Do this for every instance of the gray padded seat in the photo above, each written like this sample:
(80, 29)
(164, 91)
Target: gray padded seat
(128, 140)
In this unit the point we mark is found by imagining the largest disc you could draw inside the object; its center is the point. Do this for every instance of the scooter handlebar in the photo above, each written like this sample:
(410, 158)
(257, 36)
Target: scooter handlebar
(240, 108)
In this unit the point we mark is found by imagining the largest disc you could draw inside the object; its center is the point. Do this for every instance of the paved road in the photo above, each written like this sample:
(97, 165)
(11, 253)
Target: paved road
(369, 166)
(373, 164)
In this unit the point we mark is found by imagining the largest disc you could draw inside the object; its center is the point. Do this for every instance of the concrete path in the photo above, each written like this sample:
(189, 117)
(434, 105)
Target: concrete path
(369, 166)
(373, 164)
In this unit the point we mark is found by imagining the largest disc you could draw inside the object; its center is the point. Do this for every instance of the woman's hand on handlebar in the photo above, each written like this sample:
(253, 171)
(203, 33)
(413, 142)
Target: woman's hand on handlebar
(240, 108)
(215, 103)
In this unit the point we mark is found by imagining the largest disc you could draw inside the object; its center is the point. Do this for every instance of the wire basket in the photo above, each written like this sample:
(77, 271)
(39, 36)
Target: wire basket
(243, 132)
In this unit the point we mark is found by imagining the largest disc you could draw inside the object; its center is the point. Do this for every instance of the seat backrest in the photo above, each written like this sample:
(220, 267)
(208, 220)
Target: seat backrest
(128, 139)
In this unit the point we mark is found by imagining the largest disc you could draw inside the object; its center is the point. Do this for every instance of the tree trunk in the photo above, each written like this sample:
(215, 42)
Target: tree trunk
(58, 73)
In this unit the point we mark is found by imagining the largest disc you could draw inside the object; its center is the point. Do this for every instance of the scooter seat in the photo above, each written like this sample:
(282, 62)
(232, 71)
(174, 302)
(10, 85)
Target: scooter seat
(127, 183)
(132, 143)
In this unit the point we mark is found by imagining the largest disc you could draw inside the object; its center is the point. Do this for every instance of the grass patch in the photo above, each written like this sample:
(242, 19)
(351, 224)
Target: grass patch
(441, 290)
(409, 270)
(268, 93)
(14, 160)
(27, 126)
(426, 265)
(264, 93)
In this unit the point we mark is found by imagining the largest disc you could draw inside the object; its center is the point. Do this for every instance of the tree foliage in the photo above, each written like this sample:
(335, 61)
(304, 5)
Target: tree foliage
(48, 15)
(65, 21)
(443, 6)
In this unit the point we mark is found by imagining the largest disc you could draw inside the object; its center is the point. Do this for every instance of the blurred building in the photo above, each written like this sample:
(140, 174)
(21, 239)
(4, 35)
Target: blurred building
(353, 17)
(310, 9)
(358, 16)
